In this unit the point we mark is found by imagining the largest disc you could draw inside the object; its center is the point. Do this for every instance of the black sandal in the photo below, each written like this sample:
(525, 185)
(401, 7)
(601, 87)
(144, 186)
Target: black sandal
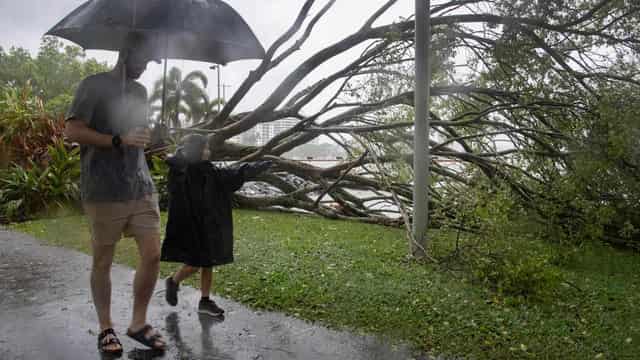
(102, 345)
(150, 341)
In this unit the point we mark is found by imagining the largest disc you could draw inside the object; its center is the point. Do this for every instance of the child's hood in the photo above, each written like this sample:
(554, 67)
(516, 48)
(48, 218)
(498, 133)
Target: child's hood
(177, 161)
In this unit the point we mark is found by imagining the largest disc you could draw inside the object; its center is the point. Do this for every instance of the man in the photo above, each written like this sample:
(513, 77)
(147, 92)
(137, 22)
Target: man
(108, 118)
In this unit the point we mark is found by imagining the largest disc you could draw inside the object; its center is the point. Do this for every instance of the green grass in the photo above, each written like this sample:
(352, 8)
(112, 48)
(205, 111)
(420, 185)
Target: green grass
(356, 276)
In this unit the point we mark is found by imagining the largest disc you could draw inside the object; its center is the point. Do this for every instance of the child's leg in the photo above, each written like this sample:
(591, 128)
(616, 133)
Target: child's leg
(206, 305)
(172, 283)
(184, 272)
(206, 277)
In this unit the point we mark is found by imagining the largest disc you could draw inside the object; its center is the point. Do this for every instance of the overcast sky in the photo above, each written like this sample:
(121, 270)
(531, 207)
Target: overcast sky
(23, 22)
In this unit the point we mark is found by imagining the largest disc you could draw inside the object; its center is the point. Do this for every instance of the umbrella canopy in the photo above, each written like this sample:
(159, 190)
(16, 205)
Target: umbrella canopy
(200, 30)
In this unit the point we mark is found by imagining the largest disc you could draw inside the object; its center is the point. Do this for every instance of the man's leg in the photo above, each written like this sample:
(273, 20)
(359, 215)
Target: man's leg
(101, 292)
(143, 285)
(144, 225)
(107, 224)
(145, 278)
(101, 283)
(106, 229)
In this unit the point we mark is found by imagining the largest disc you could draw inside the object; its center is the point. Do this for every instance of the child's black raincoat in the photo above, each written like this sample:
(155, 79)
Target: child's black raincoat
(199, 230)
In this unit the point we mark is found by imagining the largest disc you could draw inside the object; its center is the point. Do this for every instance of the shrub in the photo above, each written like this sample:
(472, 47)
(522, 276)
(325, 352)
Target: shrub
(29, 190)
(26, 131)
(62, 173)
(497, 222)
(597, 196)
(518, 276)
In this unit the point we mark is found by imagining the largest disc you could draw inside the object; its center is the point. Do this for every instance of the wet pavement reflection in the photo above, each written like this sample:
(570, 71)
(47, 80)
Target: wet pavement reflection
(46, 313)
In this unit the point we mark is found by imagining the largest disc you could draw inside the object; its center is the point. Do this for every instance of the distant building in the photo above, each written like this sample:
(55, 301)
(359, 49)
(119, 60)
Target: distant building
(266, 131)
(246, 138)
(312, 150)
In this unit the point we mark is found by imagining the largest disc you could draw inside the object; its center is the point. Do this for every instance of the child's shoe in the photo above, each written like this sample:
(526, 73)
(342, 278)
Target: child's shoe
(209, 307)
(171, 295)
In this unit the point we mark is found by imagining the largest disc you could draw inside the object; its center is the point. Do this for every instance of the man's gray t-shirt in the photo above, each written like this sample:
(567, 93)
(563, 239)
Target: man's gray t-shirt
(112, 174)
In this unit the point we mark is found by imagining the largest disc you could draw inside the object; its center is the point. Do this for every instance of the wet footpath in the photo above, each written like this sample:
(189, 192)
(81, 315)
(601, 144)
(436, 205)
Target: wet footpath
(46, 313)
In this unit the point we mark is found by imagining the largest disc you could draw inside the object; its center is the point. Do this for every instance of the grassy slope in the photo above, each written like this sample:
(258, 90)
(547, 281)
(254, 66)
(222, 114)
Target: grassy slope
(354, 275)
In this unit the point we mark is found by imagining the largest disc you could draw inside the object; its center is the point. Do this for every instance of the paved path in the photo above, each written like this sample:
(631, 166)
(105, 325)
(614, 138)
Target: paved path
(46, 314)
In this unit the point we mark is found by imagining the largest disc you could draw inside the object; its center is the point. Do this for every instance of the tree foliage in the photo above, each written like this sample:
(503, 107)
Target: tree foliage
(53, 74)
(186, 100)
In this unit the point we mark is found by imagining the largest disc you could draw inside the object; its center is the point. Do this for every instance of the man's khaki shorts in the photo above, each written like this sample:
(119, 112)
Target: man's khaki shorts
(135, 218)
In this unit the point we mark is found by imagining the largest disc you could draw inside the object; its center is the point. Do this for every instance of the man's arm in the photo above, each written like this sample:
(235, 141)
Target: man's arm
(77, 127)
(76, 130)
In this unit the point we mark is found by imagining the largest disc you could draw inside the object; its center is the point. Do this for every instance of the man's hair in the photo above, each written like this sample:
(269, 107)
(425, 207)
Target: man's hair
(192, 147)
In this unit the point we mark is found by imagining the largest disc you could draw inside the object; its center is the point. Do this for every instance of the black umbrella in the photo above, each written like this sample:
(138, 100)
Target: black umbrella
(201, 30)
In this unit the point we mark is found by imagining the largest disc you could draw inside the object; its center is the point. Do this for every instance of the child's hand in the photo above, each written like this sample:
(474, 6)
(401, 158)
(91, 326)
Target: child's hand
(251, 170)
(262, 166)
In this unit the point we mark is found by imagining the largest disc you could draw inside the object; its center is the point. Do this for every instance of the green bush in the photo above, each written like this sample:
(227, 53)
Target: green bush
(26, 129)
(518, 276)
(19, 109)
(34, 189)
(62, 173)
(499, 225)
(597, 197)
(58, 105)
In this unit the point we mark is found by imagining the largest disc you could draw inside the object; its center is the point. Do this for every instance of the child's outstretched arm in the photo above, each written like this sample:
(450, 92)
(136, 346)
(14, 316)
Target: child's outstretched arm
(252, 170)
(235, 176)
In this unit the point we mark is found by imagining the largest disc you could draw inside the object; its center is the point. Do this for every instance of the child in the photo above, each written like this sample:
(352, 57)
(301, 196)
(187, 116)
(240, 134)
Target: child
(199, 231)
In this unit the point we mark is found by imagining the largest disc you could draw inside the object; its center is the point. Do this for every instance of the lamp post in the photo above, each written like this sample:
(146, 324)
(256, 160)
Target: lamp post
(421, 158)
(224, 93)
(217, 67)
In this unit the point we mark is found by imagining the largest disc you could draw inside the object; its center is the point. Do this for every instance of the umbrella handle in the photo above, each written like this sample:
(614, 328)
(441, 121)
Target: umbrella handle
(134, 21)
(126, 53)
(123, 77)
(164, 80)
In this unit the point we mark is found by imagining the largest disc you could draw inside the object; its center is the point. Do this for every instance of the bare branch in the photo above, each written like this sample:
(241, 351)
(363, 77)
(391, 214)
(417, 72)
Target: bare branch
(351, 167)
(257, 74)
(295, 47)
(377, 14)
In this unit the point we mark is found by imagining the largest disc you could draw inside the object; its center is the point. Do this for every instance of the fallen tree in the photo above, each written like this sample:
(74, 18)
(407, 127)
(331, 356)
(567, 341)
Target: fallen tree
(516, 88)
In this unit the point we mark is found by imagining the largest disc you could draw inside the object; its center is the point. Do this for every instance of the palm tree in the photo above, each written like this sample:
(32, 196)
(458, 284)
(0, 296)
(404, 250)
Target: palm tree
(203, 109)
(186, 96)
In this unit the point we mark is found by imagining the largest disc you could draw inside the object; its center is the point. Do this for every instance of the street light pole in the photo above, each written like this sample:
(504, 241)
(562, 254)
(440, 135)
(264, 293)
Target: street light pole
(217, 67)
(218, 89)
(224, 93)
(421, 158)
